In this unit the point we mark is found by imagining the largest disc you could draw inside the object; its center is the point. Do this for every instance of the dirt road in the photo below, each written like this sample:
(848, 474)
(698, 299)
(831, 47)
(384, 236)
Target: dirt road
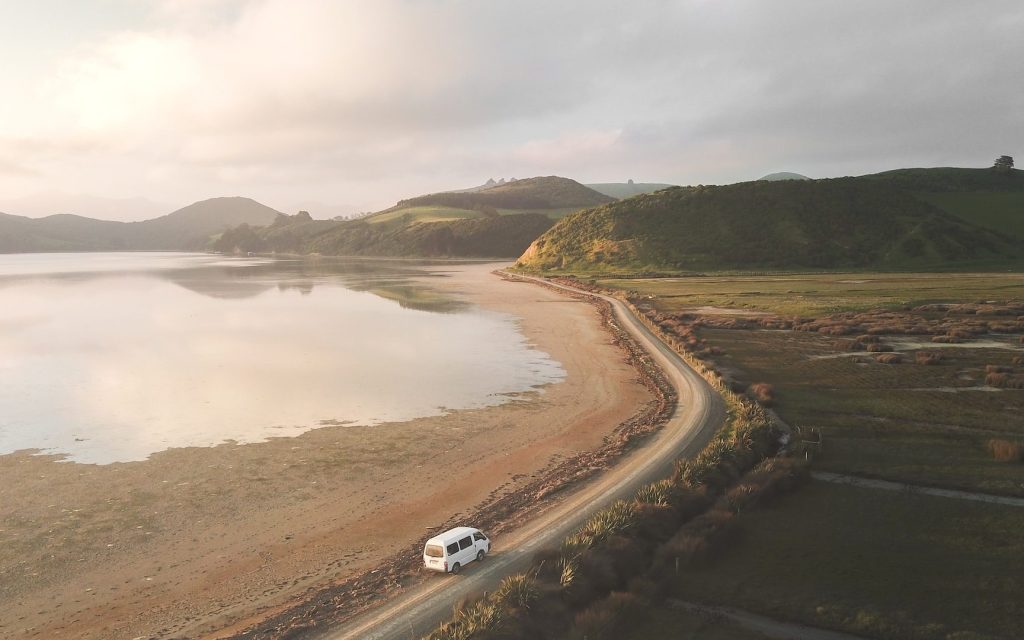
(698, 415)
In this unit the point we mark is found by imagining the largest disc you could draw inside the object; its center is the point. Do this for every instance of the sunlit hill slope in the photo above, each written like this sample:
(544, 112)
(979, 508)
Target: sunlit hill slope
(907, 219)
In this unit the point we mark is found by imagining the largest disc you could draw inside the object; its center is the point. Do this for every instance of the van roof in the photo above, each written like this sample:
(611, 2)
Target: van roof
(452, 534)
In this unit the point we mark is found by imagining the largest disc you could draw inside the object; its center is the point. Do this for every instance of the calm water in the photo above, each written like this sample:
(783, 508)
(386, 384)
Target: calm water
(112, 357)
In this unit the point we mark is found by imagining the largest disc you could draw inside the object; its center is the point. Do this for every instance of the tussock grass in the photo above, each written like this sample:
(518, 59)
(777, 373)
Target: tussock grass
(517, 591)
(889, 358)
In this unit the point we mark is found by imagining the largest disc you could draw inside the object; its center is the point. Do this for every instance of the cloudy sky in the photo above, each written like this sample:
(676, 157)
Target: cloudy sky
(359, 103)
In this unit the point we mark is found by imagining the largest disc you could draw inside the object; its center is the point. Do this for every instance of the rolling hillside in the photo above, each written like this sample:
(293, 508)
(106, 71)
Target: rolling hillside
(497, 221)
(991, 199)
(504, 236)
(552, 196)
(189, 228)
(622, 190)
(879, 221)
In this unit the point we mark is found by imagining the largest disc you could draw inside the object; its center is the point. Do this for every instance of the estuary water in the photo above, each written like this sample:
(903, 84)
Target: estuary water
(111, 357)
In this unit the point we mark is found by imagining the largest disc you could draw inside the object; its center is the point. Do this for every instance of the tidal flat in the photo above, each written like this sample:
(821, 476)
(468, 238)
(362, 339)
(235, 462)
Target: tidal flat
(193, 540)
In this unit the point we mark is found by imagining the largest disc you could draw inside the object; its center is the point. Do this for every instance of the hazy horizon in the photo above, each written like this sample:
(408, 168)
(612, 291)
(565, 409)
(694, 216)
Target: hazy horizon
(355, 105)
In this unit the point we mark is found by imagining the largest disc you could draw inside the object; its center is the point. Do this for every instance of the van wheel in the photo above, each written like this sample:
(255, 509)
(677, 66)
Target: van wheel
(456, 568)
(480, 554)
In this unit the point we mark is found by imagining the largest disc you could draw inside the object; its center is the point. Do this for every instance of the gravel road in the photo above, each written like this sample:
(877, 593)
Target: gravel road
(699, 413)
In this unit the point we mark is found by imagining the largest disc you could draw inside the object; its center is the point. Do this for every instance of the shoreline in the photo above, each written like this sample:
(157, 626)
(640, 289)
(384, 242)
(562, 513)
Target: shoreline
(202, 541)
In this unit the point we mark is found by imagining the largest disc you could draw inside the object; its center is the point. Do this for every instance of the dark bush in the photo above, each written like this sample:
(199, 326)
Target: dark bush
(608, 617)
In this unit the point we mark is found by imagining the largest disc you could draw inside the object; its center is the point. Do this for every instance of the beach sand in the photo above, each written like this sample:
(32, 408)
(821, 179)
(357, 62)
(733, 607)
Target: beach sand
(197, 540)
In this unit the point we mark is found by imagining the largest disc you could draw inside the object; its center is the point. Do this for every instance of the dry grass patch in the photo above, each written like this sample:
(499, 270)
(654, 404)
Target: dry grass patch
(763, 393)
(927, 357)
(1006, 451)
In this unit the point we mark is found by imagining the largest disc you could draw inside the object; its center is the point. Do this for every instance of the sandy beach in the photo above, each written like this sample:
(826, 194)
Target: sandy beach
(194, 541)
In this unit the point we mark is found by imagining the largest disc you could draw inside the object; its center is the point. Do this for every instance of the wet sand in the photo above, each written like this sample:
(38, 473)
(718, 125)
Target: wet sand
(195, 540)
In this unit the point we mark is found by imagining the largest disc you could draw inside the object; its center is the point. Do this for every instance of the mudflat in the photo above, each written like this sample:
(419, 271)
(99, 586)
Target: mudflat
(196, 540)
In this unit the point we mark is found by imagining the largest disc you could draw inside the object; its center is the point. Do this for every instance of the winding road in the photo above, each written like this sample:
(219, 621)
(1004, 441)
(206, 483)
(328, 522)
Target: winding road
(699, 413)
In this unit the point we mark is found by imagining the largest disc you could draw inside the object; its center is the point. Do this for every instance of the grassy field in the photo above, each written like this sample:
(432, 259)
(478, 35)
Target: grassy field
(424, 214)
(436, 213)
(907, 422)
(683, 625)
(880, 564)
(927, 424)
(554, 214)
(816, 294)
(873, 563)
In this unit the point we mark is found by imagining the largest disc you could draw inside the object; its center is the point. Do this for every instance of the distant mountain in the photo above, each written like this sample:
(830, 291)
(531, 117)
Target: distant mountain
(189, 228)
(882, 221)
(109, 209)
(621, 190)
(192, 226)
(783, 175)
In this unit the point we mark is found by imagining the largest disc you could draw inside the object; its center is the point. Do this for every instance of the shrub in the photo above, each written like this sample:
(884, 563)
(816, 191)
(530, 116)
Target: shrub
(1006, 451)
(606, 619)
(657, 493)
(879, 348)
(547, 565)
(743, 495)
(469, 622)
(617, 518)
(518, 591)
(683, 550)
(656, 522)
(889, 358)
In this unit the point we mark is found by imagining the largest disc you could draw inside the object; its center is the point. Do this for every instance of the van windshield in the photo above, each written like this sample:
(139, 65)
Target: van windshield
(434, 551)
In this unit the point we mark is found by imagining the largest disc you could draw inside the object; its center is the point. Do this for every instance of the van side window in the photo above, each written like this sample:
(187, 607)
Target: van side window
(466, 543)
(479, 536)
(453, 548)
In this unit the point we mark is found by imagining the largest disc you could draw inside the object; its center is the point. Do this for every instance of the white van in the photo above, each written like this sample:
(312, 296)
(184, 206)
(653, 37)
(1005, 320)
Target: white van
(454, 549)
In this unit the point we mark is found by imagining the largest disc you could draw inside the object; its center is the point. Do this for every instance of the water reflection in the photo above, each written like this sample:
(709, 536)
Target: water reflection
(119, 358)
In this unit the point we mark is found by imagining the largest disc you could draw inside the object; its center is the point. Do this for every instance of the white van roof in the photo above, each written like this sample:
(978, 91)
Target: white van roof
(452, 535)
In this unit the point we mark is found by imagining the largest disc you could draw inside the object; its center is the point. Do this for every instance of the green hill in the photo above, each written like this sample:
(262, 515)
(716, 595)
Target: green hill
(879, 221)
(189, 228)
(622, 190)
